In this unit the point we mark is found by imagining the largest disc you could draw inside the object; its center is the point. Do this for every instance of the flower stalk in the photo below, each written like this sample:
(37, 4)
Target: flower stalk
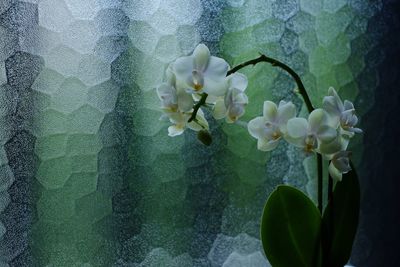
(302, 91)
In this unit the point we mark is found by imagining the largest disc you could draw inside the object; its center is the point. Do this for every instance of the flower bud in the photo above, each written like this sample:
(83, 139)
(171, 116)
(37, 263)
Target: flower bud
(205, 137)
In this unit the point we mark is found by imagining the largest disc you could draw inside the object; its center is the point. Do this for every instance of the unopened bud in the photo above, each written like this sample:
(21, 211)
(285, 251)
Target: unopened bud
(205, 137)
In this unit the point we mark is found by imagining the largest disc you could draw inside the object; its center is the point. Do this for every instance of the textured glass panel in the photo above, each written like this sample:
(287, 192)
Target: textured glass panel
(88, 175)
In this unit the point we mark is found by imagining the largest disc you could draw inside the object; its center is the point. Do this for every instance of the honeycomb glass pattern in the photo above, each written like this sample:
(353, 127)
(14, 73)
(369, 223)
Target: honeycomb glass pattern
(88, 175)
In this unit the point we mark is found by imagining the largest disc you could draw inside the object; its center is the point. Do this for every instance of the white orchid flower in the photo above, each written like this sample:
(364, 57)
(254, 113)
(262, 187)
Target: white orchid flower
(309, 134)
(232, 106)
(271, 127)
(201, 72)
(177, 106)
(340, 164)
(341, 113)
(180, 121)
(172, 96)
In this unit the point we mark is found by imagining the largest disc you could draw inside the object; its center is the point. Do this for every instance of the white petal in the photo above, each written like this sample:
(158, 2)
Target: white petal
(219, 111)
(335, 173)
(267, 145)
(297, 128)
(216, 69)
(175, 130)
(356, 130)
(348, 105)
(326, 134)
(297, 142)
(167, 95)
(316, 119)
(183, 67)
(341, 161)
(238, 81)
(235, 112)
(256, 127)
(270, 111)
(176, 118)
(201, 122)
(214, 88)
(164, 90)
(334, 146)
(185, 101)
(286, 111)
(338, 100)
(241, 99)
(201, 56)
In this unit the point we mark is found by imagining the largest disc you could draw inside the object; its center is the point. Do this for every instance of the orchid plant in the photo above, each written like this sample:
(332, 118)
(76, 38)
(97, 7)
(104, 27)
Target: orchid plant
(294, 231)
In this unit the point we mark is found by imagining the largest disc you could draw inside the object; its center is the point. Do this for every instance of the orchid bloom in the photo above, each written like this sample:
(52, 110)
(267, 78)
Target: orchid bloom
(177, 106)
(180, 121)
(340, 164)
(341, 113)
(201, 72)
(271, 127)
(232, 106)
(309, 134)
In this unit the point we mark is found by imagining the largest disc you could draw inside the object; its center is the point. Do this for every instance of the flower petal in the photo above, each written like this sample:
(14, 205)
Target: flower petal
(238, 80)
(256, 127)
(332, 104)
(183, 68)
(235, 112)
(201, 122)
(338, 144)
(348, 105)
(297, 142)
(338, 100)
(317, 119)
(175, 130)
(286, 111)
(267, 145)
(167, 95)
(326, 134)
(335, 173)
(214, 88)
(185, 101)
(219, 111)
(201, 56)
(297, 128)
(216, 69)
(341, 161)
(270, 111)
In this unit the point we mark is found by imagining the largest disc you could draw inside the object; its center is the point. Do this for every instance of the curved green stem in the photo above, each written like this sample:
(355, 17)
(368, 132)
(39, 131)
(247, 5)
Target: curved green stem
(290, 71)
(196, 107)
(302, 91)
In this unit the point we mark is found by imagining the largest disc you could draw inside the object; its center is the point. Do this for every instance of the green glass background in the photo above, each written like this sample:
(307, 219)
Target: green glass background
(89, 176)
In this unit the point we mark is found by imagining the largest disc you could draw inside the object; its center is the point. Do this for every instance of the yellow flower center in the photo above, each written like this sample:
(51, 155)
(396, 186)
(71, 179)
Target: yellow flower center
(308, 147)
(173, 108)
(198, 86)
(276, 135)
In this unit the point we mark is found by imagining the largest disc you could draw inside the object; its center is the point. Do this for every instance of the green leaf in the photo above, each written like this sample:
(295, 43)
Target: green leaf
(290, 229)
(340, 221)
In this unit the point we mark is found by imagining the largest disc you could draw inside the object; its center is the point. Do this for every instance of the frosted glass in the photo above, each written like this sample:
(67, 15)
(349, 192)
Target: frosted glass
(88, 175)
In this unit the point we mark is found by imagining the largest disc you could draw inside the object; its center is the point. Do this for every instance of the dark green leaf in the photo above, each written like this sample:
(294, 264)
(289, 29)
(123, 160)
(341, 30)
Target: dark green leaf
(290, 229)
(340, 221)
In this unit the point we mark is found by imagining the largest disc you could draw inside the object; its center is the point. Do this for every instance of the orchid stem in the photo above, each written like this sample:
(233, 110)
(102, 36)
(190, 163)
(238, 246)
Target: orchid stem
(196, 107)
(302, 92)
